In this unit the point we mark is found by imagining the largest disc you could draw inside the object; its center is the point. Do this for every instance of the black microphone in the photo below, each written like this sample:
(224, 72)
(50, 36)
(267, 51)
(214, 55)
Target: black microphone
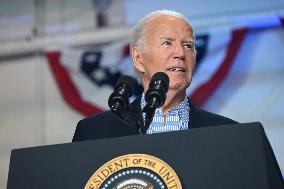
(155, 97)
(119, 99)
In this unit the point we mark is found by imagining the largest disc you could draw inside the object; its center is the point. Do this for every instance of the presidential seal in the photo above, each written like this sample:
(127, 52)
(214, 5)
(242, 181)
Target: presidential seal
(134, 171)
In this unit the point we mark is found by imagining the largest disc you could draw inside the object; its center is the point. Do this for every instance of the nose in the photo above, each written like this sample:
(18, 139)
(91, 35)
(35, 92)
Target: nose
(179, 52)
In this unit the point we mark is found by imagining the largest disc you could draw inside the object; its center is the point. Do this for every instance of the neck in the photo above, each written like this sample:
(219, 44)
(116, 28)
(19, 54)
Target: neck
(173, 99)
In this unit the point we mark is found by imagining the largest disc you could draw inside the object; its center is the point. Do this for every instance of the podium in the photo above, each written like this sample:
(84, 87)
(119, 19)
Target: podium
(229, 156)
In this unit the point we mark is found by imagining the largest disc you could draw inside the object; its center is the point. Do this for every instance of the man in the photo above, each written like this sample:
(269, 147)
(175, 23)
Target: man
(162, 42)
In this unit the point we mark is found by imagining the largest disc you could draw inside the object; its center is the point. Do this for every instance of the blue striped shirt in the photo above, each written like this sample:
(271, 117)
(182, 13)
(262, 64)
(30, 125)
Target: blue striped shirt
(177, 118)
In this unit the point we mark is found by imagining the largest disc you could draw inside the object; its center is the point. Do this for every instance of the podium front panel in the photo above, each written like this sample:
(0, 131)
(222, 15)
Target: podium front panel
(231, 156)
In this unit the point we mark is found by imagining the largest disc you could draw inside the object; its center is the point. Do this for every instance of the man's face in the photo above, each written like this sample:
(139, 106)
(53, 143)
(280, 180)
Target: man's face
(169, 48)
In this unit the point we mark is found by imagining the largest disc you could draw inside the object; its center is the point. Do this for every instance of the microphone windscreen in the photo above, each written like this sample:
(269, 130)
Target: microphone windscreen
(161, 76)
(129, 81)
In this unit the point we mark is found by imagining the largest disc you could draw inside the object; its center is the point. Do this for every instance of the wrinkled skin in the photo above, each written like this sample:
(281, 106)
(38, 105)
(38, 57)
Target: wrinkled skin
(169, 48)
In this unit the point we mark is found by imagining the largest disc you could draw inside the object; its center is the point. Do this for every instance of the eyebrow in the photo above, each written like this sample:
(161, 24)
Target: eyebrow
(173, 39)
(167, 38)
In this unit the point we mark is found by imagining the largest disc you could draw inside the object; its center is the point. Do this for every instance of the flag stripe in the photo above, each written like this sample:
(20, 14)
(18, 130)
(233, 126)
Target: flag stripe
(72, 94)
(204, 91)
(68, 90)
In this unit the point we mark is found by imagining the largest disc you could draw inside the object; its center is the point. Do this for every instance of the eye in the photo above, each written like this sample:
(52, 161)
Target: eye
(189, 46)
(166, 43)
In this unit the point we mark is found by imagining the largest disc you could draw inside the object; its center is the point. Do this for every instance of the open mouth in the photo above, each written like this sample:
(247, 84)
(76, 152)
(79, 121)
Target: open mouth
(176, 69)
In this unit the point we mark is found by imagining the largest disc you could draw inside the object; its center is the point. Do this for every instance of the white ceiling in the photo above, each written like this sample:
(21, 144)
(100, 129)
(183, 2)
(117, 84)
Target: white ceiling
(55, 18)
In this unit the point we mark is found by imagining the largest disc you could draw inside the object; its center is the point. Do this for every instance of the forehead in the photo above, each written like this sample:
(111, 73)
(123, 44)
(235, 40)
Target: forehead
(169, 26)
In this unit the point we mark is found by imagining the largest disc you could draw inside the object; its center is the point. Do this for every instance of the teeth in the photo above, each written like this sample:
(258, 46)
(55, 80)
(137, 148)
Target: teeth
(176, 69)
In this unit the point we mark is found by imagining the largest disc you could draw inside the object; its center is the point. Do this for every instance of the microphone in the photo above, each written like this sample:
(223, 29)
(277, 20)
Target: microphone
(119, 99)
(155, 97)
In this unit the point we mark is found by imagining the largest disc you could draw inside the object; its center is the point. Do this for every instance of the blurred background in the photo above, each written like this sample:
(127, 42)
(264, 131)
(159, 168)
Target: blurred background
(59, 61)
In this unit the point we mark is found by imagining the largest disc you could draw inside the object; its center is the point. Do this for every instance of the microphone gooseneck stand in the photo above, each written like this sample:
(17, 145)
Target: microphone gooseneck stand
(149, 109)
(155, 97)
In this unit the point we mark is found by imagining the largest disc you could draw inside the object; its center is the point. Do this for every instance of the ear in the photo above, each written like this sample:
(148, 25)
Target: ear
(137, 59)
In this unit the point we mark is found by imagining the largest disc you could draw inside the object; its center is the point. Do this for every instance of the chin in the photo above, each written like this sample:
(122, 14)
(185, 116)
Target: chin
(178, 85)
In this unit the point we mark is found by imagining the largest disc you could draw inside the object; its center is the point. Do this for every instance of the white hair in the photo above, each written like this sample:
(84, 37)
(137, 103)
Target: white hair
(138, 37)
